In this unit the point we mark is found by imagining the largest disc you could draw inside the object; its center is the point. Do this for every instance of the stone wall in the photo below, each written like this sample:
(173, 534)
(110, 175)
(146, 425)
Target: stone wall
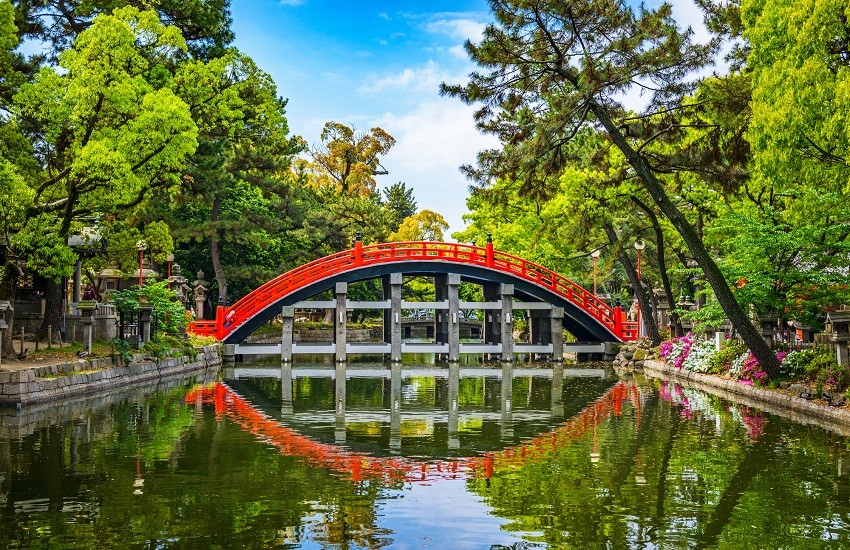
(84, 377)
(91, 410)
(836, 419)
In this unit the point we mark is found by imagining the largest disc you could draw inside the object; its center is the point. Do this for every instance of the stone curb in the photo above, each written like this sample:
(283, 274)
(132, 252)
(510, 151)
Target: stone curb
(787, 406)
(85, 377)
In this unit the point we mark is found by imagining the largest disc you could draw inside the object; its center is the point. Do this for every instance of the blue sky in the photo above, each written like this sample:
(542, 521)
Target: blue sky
(380, 63)
(376, 64)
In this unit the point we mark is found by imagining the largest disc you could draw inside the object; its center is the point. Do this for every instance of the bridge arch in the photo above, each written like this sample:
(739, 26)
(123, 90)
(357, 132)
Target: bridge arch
(585, 315)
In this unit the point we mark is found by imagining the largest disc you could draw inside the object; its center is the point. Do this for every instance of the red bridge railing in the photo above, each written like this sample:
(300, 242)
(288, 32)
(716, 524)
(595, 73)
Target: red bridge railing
(358, 466)
(229, 318)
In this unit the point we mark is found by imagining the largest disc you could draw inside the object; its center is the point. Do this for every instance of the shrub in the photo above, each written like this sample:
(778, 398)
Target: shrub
(722, 360)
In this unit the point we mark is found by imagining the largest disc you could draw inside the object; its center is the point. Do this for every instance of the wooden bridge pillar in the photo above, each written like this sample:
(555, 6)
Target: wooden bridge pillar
(392, 316)
(446, 289)
(454, 394)
(507, 295)
(557, 333)
(340, 335)
(492, 326)
(395, 407)
(286, 401)
(288, 315)
(506, 424)
(339, 403)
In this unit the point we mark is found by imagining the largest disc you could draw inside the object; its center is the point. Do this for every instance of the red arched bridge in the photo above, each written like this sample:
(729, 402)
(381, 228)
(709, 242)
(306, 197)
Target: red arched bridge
(523, 284)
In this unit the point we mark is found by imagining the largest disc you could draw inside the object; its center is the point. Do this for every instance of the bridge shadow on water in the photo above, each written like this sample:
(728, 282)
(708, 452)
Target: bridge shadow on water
(417, 422)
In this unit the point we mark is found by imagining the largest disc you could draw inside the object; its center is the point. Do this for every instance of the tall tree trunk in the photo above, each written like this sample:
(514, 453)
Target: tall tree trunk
(642, 293)
(751, 336)
(662, 265)
(215, 256)
(54, 297)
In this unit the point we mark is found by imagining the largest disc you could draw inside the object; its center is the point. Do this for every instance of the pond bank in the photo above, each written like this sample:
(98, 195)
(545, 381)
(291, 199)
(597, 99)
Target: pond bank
(45, 383)
(792, 407)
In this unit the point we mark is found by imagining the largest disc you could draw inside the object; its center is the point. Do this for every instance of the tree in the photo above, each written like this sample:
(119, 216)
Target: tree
(204, 24)
(348, 160)
(400, 202)
(423, 226)
(554, 68)
(105, 130)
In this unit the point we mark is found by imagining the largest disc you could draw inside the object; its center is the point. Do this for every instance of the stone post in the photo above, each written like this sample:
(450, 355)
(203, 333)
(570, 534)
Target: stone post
(507, 425)
(288, 315)
(86, 309)
(340, 335)
(395, 407)
(395, 281)
(840, 321)
(200, 287)
(454, 394)
(558, 391)
(557, 334)
(339, 403)
(286, 405)
(507, 294)
(454, 317)
(145, 323)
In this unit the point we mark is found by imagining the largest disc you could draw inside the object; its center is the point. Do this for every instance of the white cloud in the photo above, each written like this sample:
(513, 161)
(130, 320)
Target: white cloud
(291, 2)
(383, 15)
(432, 142)
(423, 80)
(461, 28)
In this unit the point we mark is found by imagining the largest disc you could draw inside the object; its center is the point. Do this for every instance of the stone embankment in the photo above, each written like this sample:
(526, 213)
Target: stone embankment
(85, 377)
(639, 356)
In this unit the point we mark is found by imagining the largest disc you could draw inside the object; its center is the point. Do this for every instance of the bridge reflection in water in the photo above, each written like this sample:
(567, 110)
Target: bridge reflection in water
(401, 424)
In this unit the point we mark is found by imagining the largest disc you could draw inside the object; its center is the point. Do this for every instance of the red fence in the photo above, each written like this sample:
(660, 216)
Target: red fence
(229, 318)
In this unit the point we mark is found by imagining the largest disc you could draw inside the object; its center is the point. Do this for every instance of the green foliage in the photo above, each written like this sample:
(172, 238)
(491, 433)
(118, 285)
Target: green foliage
(720, 361)
(123, 349)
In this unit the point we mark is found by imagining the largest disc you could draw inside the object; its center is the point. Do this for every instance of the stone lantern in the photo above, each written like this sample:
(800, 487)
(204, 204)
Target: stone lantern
(840, 321)
(177, 284)
(200, 287)
(768, 327)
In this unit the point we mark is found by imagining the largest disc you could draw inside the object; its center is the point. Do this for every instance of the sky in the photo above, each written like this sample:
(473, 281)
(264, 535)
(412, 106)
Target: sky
(380, 64)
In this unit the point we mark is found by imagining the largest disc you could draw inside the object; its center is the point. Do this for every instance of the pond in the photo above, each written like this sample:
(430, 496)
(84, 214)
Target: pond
(369, 456)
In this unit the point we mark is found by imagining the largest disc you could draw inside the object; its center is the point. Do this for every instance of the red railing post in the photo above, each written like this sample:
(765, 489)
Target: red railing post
(489, 253)
(358, 249)
(619, 319)
(219, 322)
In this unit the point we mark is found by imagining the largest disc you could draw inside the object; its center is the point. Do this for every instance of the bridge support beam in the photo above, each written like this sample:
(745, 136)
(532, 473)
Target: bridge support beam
(448, 322)
(507, 294)
(339, 404)
(392, 317)
(454, 395)
(395, 408)
(340, 336)
(556, 333)
(288, 315)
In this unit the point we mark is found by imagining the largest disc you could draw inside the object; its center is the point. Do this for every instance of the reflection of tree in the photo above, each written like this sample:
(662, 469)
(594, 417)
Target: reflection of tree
(705, 476)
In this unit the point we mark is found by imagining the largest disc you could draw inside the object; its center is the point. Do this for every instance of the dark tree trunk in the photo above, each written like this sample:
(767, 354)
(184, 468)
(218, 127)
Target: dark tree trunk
(662, 266)
(751, 336)
(54, 297)
(641, 291)
(215, 255)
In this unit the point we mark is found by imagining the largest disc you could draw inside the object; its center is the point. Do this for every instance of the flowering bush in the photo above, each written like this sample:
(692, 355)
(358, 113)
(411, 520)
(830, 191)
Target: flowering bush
(699, 356)
(751, 371)
(676, 351)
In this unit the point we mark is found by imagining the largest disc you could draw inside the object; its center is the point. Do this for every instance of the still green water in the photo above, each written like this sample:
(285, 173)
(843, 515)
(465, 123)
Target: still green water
(424, 457)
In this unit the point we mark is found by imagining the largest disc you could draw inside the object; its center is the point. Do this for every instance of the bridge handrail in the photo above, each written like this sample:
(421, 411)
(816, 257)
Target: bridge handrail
(230, 318)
